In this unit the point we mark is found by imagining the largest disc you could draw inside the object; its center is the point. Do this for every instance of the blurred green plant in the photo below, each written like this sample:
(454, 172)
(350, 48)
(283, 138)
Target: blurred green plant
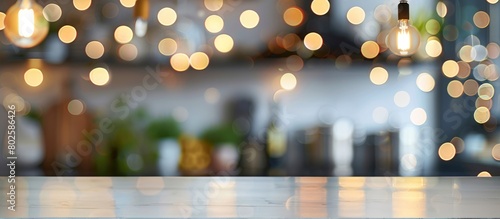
(222, 134)
(162, 128)
(127, 150)
(421, 21)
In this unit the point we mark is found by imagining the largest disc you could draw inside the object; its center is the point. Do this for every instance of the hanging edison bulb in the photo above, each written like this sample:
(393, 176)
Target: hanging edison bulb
(404, 39)
(25, 25)
(141, 15)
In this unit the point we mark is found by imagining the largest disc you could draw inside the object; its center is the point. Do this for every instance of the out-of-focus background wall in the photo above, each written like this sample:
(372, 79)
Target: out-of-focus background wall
(287, 88)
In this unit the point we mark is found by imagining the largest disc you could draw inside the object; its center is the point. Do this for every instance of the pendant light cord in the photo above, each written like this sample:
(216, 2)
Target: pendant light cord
(403, 10)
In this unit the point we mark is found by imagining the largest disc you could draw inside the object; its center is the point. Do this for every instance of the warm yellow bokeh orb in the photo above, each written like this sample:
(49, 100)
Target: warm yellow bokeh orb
(493, 50)
(447, 151)
(199, 60)
(370, 49)
(94, 50)
(82, 5)
(52, 13)
(433, 48)
(167, 16)
(99, 76)
(481, 19)
(249, 19)
(425, 82)
(379, 76)
(455, 89)
(33, 77)
(464, 69)
(441, 9)
(128, 52)
(293, 16)
(214, 23)
(450, 68)
(67, 34)
(123, 34)
(356, 15)
(495, 152)
(294, 63)
(491, 72)
(418, 116)
(465, 53)
(313, 41)
(484, 174)
(486, 91)
(486, 103)
(459, 144)
(320, 7)
(213, 5)
(76, 107)
(224, 43)
(482, 115)
(2, 18)
(179, 62)
(167, 46)
(128, 3)
(288, 81)
(289, 42)
(470, 87)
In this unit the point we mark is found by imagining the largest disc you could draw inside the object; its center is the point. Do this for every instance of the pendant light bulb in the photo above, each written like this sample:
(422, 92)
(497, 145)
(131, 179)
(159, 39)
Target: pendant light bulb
(404, 39)
(25, 25)
(141, 27)
(141, 15)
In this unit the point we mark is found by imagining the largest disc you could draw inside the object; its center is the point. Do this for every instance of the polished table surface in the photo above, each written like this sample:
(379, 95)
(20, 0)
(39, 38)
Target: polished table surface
(251, 197)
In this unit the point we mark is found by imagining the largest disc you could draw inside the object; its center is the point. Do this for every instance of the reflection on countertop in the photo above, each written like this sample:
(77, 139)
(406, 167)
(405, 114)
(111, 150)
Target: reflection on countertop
(255, 197)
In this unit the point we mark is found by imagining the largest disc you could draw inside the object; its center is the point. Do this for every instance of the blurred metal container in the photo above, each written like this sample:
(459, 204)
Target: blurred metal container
(318, 144)
(364, 157)
(387, 154)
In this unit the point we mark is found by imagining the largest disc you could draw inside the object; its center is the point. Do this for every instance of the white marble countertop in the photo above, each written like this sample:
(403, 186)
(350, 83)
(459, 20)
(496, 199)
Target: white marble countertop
(253, 197)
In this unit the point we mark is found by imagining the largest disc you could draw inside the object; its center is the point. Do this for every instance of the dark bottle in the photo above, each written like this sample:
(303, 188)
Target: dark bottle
(276, 143)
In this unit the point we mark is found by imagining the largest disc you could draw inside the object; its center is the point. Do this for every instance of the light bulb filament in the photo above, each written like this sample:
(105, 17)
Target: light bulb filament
(403, 38)
(141, 27)
(26, 22)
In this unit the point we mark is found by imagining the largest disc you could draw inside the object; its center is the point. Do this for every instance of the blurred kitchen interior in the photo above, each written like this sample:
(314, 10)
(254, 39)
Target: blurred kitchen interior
(266, 88)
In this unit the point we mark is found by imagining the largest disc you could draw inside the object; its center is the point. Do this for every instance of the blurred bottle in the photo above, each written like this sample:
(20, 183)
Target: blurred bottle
(387, 154)
(63, 136)
(318, 144)
(364, 157)
(343, 147)
(253, 160)
(276, 143)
